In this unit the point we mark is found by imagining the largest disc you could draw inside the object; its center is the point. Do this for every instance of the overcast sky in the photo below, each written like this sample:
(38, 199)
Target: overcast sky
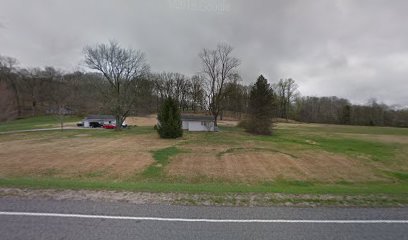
(357, 49)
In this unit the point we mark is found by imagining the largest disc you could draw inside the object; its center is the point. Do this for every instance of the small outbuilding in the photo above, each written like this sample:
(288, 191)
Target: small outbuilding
(98, 120)
(198, 123)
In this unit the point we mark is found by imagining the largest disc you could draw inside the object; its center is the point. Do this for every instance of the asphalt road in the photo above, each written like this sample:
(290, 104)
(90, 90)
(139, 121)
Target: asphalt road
(101, 220)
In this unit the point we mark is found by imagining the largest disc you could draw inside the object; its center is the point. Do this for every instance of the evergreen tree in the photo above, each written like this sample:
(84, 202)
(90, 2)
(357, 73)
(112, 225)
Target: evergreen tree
(260, 108)
(169, 120)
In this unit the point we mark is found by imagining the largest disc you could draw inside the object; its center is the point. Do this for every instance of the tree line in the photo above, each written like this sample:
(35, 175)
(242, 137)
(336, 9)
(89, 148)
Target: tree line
(120, 83)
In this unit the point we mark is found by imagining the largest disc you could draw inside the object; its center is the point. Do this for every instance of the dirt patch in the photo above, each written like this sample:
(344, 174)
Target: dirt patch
(149, 120)
(111, 158)
(252, 166)
(284, 120)
(228, 123)
(82, 135)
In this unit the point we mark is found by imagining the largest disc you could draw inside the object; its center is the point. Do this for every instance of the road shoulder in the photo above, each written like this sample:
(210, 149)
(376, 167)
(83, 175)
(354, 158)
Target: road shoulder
(210, 199)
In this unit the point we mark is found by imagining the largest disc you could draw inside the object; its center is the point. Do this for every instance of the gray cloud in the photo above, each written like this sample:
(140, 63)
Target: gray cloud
(352, 49)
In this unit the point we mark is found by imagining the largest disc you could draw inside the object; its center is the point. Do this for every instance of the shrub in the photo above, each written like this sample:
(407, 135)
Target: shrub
(243, 124)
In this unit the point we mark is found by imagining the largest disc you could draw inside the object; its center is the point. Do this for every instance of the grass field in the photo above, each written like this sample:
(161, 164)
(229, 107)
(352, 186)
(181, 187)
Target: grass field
(297, 158)
(35, 123)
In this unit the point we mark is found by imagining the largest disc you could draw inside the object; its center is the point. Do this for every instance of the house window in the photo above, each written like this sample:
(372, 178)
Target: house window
(204, 123)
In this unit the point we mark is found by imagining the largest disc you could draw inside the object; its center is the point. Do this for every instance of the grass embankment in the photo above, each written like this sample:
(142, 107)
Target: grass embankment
(289, 187)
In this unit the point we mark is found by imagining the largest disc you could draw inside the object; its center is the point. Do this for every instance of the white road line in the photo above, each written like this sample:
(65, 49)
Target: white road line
(62, 215)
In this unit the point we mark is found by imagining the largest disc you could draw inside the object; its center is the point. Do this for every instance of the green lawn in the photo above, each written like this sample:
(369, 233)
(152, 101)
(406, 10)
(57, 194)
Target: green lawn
(162, 158)
(332, 128)
(288, 139)
(34, 123)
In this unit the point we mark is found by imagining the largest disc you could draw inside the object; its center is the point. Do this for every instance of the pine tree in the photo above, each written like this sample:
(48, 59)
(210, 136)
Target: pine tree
(169, 120)
(260, 108)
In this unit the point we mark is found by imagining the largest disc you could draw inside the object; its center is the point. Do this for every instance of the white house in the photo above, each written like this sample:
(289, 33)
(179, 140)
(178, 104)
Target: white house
(98, 120)
(198, 123)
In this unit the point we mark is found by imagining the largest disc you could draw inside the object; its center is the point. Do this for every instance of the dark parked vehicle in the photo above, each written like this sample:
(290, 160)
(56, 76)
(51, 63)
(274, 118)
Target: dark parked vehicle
(95, 125)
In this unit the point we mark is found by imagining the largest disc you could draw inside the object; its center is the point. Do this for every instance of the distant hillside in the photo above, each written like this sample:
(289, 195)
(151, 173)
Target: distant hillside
(8, 107)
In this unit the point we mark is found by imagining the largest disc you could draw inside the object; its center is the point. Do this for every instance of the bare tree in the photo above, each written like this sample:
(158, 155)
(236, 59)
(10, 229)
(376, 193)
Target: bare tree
(10, 77)
(236, 99)
(121, 68)
(197, 93)
(218, 67)
(61, 98)
(35, 85)
(146, 97)
(291, 94)
(286, 91)
(174, 85)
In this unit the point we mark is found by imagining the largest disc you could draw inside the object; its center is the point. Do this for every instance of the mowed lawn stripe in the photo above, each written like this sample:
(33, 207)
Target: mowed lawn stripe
(297, 158)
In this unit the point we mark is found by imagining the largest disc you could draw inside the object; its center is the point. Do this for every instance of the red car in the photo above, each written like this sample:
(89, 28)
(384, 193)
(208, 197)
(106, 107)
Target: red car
(109, 126)
(113, 125)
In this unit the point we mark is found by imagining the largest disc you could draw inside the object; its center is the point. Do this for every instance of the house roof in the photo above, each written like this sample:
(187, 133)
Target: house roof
(197, 118)
(100, 117)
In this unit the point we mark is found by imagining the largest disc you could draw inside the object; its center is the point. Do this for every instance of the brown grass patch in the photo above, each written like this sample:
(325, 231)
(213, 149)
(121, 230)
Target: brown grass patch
(149, 120)
(113, 158)
(228, 123)
(256, 166)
